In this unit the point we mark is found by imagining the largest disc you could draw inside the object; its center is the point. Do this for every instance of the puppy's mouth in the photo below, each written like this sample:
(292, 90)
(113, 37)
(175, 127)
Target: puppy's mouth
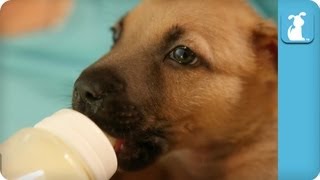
(138, 142)
(135, 154)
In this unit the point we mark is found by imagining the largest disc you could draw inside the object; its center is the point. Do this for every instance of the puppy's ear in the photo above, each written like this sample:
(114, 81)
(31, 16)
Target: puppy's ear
(265, 42)
(291, 17)
(303, 14)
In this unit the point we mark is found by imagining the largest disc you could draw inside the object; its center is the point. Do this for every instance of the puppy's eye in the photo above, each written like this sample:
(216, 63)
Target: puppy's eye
(183, 55)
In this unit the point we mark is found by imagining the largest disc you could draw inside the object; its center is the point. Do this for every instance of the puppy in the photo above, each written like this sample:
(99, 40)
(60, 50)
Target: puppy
(189, 90)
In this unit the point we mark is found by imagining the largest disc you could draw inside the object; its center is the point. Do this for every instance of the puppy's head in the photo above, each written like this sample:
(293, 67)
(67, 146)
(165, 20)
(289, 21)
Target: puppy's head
(181, 74)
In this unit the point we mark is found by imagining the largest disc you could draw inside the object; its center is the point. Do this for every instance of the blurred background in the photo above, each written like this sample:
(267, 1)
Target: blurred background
(44, 46)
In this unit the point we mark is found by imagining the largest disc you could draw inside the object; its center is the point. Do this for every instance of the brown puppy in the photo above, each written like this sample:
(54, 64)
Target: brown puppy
(190, 91)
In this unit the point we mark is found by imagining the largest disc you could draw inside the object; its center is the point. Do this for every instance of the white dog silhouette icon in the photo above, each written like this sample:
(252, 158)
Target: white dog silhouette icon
(295, 30)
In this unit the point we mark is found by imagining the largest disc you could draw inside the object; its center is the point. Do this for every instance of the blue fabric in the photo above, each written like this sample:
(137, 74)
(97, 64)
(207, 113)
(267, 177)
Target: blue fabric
(37, 71)
(267, 8)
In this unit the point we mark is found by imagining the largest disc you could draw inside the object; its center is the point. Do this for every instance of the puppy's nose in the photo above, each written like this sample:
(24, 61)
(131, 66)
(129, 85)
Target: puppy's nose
(96, 86)
(89, 91)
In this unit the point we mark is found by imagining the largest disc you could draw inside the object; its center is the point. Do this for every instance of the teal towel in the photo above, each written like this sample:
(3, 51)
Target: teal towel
(37, 71)
(267, 8)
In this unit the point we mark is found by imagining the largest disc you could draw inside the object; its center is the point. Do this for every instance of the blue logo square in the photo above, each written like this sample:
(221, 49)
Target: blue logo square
(297, 27)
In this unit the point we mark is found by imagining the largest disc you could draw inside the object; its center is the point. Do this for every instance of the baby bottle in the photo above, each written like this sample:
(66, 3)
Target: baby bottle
(66, 145)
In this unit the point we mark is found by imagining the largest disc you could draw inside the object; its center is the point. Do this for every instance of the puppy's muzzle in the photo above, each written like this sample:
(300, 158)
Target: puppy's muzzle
(101, 95)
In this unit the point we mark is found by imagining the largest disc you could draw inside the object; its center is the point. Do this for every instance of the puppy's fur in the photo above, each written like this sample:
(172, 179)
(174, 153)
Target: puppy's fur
(216, 119)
